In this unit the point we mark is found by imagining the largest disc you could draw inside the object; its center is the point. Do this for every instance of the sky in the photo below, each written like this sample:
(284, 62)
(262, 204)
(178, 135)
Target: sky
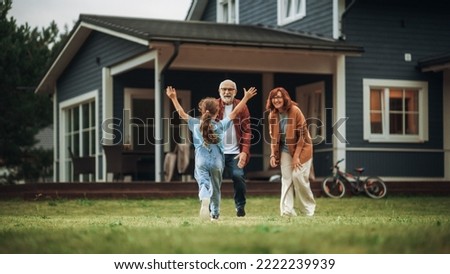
(39, 13)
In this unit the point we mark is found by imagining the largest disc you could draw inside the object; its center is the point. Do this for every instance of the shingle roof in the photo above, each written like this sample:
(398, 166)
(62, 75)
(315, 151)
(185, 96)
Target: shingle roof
(216, 33)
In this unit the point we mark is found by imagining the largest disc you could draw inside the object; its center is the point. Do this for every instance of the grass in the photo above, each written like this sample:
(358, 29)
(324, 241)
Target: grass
(360, 225)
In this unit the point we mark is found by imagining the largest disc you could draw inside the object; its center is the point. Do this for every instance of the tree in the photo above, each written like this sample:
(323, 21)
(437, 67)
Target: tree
(25, 54)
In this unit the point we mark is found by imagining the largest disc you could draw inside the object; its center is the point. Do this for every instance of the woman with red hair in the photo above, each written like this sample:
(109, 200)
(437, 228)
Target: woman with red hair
(291, 149)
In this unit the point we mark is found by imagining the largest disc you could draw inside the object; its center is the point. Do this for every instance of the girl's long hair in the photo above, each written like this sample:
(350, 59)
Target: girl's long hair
(208, 108)
(288, 103)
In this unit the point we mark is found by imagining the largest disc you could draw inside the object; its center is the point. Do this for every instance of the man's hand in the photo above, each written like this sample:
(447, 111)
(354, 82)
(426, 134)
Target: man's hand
(242, 159)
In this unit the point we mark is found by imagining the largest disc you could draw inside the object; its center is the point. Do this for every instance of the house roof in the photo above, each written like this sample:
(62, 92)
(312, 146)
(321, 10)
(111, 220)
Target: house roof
(436, 62)
(145, 31)
(216, 33)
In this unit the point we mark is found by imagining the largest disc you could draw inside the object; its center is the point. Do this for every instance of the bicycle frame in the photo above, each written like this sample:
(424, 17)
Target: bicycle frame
(354, 181)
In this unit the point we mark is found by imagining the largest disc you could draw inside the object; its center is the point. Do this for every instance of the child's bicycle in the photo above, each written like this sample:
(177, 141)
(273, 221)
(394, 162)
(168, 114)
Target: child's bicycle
(335, 186)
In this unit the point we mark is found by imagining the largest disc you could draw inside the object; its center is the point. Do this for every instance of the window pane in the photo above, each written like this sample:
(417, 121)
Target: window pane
(396, 123)
(76, 118)
(375, 99)
(86, 143)
(412, 123)
(411, 100)
(85, 113)
(76, 144)
(376, 126)
(92, 114)
(395, 99)
(93, 145)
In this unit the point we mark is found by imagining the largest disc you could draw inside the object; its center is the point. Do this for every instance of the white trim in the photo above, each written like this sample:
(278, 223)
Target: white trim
(339, 112)
(392, 138)
(133, 63)
(219, 12)
(115, 33)
(55, 136)
(61, 126)
(336, 18)
(287, 20)
(446, 122)
(386, 149)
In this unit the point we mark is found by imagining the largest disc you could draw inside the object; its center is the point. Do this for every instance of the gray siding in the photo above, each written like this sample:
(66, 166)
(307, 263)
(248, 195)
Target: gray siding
(387, 30)
(318, 19)
(84, 73)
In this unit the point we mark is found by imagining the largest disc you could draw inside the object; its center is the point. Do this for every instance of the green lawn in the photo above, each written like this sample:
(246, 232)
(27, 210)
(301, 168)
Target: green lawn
(349, 225)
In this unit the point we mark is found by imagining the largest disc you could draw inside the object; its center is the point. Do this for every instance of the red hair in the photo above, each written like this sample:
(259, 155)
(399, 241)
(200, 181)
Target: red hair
(287, 101)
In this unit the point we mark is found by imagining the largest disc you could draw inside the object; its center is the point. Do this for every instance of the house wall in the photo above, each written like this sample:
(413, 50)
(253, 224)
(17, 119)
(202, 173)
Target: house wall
(84, 73)
(387, 30)
(318, 19)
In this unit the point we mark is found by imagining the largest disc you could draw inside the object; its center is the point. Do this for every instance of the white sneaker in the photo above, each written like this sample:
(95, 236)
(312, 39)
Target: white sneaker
(204, 209)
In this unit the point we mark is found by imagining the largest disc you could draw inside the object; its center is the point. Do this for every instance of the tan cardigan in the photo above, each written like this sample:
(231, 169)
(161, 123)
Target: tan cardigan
(298, 138)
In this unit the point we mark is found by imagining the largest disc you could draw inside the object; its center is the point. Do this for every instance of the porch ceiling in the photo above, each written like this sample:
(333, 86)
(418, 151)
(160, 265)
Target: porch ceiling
(212, 57)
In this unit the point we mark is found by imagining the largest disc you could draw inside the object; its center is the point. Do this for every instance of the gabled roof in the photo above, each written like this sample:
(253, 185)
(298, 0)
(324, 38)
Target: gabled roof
(216, 33)
(145, 31)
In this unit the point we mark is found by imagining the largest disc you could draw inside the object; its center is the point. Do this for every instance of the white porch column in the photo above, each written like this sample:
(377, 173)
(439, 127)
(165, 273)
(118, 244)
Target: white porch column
(159, 148)
(107, 115)
(339, 113)
(446, 118)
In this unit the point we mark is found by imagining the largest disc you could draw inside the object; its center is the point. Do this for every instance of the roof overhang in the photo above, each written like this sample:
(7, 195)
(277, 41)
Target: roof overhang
(79, 35)
(435, 63)
(202, 44)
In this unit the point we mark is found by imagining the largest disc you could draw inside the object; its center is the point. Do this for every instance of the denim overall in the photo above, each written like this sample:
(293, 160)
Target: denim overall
(209, 162)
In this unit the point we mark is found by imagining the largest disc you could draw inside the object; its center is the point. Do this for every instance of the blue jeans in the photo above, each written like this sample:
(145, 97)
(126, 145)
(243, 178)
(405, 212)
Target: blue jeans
(208, 172)
(237, 175)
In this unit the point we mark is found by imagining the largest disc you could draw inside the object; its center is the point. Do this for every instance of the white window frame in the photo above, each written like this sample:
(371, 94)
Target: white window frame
(64, 156)
(232, 8)
(386, 137)
(284, 4)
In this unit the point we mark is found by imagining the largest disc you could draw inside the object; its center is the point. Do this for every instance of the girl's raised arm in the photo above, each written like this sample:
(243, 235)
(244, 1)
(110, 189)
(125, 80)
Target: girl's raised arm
(172, 94)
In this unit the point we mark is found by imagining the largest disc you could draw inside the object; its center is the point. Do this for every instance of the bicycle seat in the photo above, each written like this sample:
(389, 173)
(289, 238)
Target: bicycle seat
(359, 169)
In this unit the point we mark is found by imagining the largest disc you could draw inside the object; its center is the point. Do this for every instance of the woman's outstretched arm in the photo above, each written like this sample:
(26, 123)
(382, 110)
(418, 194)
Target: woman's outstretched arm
(172, 94)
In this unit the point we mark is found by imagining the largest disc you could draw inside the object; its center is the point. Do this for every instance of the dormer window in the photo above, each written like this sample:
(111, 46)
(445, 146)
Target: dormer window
(290, 11)
(228, 11)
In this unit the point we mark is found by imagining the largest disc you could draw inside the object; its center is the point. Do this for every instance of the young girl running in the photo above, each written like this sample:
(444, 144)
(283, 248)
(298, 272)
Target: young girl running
(209, 158)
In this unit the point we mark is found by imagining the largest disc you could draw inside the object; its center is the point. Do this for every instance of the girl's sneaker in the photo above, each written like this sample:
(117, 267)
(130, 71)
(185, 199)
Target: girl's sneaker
(204, 209)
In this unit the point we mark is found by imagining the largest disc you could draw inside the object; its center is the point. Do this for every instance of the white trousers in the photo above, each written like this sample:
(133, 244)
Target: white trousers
(295, 187)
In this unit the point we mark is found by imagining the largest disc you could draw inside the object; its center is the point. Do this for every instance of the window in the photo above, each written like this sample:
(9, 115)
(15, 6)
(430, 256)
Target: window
(395, 111)
(290, 11)
(228, 11)
(79, 133)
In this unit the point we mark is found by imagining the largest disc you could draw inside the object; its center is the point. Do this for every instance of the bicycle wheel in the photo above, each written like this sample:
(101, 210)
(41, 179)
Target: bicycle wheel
(375, 187)
(333, 187)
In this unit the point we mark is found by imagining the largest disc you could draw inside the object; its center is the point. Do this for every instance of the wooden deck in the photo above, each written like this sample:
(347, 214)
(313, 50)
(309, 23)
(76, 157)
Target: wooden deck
(139, 190)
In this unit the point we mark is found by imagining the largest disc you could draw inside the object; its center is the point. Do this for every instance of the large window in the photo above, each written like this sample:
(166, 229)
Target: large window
(290, 11)
(79, 134)
(228, 11)
(395, 111)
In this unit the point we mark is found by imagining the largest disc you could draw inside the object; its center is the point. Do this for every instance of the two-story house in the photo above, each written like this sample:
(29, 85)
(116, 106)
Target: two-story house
(372, 77)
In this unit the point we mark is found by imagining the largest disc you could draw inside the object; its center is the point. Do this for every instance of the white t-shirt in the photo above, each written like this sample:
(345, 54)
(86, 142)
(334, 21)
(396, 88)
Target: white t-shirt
(230, 144)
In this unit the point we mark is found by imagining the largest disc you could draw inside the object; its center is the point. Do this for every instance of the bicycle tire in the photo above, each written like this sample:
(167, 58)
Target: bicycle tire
(333, 187)
(375, 187)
